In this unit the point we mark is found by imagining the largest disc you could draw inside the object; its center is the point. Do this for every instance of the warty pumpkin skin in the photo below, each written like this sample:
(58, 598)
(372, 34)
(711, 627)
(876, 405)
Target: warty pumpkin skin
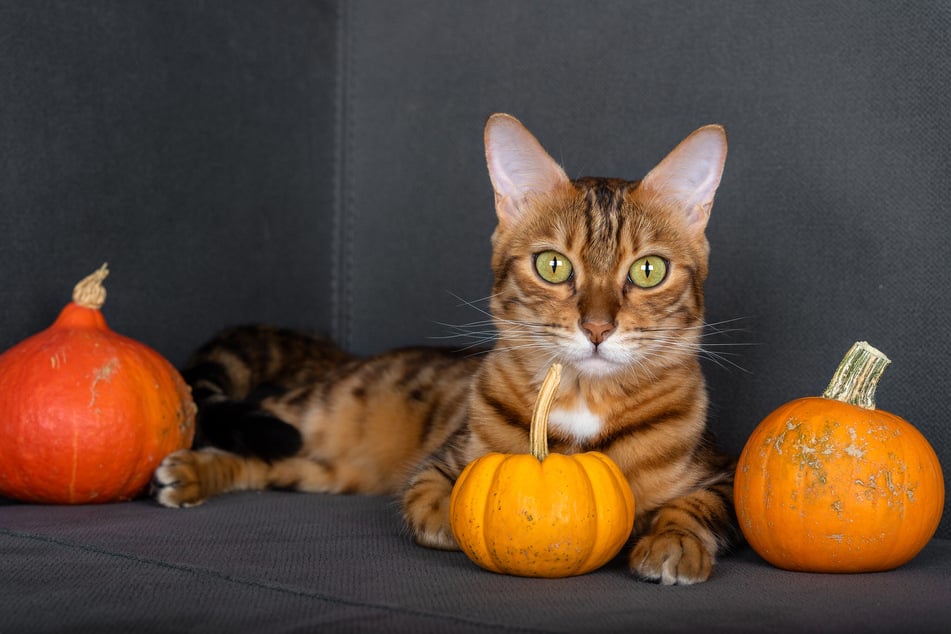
(86, 414)
(540, 514)
(828, 485)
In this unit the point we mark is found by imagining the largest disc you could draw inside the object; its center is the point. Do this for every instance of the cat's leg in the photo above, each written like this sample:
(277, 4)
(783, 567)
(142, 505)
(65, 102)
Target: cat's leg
(426, 508)
(188, 478)
(427, 494)
(685, 536)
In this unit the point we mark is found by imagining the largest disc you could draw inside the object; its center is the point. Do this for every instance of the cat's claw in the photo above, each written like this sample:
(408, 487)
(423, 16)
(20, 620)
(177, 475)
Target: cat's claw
(671, 558)
(441, 539)
(175, 482)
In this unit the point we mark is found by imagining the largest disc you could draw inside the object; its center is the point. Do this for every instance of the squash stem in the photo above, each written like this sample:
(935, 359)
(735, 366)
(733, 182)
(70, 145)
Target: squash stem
(538, 431)
(90, 293)
(857, 376)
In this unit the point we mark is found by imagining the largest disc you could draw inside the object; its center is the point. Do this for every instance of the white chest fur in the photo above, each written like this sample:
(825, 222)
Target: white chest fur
(580, 423)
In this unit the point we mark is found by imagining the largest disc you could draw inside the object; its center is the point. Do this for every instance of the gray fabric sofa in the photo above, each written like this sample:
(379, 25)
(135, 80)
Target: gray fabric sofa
(318, 164)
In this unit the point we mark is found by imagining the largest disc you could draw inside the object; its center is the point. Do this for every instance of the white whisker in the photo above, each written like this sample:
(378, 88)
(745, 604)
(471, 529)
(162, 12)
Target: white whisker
(642, 350)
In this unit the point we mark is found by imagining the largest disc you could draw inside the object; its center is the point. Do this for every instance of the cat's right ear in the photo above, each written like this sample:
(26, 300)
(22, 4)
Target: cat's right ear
(518, 166)
(689, 176)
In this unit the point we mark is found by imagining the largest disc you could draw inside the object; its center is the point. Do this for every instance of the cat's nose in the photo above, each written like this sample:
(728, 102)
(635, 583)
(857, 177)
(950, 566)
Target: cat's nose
(597, 331)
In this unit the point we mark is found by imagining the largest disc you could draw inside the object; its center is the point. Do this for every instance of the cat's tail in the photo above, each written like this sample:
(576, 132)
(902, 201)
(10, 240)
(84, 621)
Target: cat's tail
(233, 376)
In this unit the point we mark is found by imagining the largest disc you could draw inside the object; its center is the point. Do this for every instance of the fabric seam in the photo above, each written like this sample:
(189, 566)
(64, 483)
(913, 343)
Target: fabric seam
(341, 229)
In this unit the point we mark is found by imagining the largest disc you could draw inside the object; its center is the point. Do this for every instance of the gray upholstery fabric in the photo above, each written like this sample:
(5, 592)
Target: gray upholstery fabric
(281, 562)
(318, 164)
(829, 226)
(190, 145)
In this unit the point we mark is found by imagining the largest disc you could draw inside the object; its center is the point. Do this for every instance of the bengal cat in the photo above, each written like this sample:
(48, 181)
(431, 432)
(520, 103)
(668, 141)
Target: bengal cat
(602, 275)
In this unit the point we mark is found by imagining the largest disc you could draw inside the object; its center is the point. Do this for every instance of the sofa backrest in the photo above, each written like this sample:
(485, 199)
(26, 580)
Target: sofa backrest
(320, 165)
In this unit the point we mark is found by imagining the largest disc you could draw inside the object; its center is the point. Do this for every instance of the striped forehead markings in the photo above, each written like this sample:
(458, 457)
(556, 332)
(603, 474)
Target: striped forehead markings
(603, 217)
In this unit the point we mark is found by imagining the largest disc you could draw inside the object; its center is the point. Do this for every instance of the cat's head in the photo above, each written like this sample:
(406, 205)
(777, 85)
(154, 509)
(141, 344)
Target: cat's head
(603, 275)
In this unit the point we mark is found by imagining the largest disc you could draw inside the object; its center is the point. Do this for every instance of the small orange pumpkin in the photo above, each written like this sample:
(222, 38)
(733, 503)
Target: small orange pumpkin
(541, 514)
(832, 484)
(86, 414)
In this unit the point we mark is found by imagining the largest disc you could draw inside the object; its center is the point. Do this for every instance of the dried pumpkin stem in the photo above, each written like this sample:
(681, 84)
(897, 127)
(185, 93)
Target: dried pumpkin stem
(90, 293)
(857, 376)
(538, 432)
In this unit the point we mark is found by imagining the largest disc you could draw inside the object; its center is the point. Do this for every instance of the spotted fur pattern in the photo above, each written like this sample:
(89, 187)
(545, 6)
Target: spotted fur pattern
(283, 409)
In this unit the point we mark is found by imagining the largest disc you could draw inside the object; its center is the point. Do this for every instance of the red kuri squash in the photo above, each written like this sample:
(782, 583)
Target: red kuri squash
(86, 414)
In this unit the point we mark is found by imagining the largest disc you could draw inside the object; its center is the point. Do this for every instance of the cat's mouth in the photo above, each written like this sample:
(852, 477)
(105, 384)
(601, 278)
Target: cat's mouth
(596, 361)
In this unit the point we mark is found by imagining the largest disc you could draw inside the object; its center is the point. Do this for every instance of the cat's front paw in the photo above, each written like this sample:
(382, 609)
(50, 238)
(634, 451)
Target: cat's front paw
(426, 510)
(176, 481)
(672, 558)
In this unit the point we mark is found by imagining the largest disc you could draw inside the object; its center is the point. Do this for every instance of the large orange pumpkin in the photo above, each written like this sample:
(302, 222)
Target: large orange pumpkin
(541, 514)
(832, 484)
(87, 414)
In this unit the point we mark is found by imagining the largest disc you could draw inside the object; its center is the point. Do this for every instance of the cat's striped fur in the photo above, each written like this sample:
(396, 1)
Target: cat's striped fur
(281, 409)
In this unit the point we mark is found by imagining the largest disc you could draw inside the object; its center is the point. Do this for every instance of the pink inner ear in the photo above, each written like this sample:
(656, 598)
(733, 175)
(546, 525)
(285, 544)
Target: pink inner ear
(689, 176)
(518, 165)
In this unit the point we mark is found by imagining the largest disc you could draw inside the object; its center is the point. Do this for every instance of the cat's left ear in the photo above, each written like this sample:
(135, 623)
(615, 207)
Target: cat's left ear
(518, 166)
(688, 177)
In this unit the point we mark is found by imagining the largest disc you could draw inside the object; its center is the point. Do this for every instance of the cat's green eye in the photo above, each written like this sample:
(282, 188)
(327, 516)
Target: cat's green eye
(553, 267)
(648, 271)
